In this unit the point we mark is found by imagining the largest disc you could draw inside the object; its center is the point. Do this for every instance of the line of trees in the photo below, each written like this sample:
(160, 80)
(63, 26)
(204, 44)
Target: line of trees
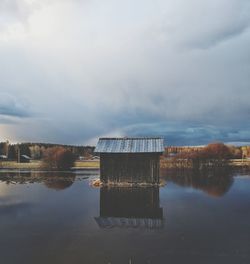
(235, 152)
(37, 150)
(212, 155)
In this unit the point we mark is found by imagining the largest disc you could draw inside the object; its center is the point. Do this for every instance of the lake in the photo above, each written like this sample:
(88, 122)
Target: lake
(59, 218)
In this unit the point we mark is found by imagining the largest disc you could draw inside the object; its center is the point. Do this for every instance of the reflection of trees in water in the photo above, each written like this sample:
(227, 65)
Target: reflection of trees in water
(59, 183)
(130, 207)
(53, 180)
(215, 183)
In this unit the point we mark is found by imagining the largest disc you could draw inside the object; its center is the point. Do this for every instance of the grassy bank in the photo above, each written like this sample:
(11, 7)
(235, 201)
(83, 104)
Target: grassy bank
(38, 165)
(87, 164)
(34, 165)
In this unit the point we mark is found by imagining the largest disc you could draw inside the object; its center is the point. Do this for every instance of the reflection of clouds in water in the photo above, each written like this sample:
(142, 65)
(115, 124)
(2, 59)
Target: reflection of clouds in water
(15, 194)
(8, 201)
(10, 206)
(4, 202)
(242, 183)
(4, 190)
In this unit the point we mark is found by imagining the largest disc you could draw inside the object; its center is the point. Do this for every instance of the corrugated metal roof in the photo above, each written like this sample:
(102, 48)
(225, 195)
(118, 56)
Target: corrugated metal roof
(130, 145)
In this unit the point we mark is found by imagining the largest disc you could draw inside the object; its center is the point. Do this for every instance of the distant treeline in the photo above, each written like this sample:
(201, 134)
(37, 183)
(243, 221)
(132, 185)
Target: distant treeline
(37, 150)
(232, 151)
(214, 155)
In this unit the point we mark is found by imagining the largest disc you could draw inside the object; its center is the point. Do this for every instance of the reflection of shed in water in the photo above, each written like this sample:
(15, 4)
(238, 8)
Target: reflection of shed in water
(130, 160)
(130, 207)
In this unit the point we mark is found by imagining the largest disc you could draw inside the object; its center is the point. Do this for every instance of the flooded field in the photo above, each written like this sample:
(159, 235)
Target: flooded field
(59, 218)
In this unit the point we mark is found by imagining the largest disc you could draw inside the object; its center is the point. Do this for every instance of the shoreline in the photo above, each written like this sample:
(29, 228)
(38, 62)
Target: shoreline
(95, 165)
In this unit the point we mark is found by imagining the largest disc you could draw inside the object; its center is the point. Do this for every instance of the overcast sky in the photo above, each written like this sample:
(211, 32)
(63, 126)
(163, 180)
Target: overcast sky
(74, 70)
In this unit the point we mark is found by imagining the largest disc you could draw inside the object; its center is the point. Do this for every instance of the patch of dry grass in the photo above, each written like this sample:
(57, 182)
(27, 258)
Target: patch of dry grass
(33, 165)
(87, 164)
(16, 165)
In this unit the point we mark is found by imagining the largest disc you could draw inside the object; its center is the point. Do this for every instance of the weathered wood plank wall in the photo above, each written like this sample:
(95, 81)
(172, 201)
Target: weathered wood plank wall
(130, 167)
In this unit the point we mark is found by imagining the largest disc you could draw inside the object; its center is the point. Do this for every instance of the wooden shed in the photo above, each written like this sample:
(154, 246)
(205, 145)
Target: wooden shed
(130, 160)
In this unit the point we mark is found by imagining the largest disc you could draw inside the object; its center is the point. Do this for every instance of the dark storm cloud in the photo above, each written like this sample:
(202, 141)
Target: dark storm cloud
(186, 133)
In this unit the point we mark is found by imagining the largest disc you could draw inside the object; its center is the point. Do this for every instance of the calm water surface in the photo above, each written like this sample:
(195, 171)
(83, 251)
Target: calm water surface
(58, 218)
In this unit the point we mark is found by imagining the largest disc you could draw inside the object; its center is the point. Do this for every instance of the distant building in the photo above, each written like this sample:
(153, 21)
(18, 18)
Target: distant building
(3, 157)
(81, 158)
(24, 159)
(130, 160)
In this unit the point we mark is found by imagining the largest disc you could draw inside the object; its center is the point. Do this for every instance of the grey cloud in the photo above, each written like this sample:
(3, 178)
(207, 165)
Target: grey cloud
(216, 38)
(110, 68)
(14, 11)
(187, 133)
(205, 24)
(12, 107)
